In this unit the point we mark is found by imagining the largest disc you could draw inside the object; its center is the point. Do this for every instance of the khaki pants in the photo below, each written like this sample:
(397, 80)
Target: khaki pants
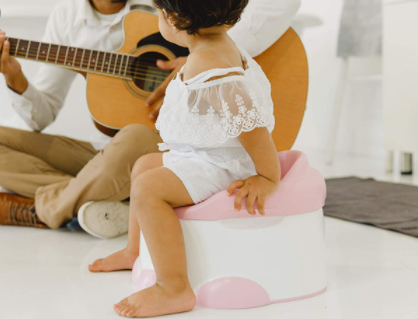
(62, 174)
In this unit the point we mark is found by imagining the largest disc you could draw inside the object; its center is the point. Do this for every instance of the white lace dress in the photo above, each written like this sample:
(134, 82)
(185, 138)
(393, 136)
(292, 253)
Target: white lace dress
(200, 120)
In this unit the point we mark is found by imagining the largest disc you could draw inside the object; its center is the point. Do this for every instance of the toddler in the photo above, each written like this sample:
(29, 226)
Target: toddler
(215, 122)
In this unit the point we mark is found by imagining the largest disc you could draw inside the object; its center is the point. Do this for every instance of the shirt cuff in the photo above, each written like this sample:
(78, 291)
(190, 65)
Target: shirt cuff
(27, 96)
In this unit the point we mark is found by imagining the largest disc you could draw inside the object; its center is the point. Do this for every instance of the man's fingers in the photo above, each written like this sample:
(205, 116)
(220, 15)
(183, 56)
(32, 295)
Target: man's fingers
(173, 65)
(155, 96)
(156, 110)
(234, 185)
(2, 39)
(5, 56)
(160, 91)
(167, 65)
(239, 197)
(6, 50)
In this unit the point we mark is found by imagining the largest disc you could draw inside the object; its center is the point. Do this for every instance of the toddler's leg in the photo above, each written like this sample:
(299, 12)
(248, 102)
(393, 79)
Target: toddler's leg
(125, 258)
(153, 195)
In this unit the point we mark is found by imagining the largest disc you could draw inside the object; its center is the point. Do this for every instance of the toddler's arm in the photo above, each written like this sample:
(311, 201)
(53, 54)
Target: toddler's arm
(261, 148)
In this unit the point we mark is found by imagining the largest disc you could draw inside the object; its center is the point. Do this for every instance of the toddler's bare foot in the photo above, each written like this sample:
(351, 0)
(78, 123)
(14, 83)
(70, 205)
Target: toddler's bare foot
(120, 260)
(157, 301)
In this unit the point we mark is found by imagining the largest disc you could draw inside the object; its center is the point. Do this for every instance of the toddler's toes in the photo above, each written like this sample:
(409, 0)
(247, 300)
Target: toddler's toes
(121, 260)
(126, 309)
(117, 307)
(95, 266)
(120, 310)
(122, 303)
(131, 313)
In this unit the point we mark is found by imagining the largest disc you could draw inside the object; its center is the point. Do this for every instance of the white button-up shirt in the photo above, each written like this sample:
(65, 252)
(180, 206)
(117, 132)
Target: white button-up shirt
(75, 23)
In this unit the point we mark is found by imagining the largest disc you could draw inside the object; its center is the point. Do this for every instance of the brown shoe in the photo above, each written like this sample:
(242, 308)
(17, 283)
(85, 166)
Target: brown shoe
(18, 211)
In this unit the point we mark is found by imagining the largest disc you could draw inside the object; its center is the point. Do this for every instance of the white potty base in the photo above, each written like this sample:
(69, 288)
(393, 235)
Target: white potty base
(249, 262)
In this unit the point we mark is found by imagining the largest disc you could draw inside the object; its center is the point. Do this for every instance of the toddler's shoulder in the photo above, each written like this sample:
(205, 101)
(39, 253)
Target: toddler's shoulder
(202, 61)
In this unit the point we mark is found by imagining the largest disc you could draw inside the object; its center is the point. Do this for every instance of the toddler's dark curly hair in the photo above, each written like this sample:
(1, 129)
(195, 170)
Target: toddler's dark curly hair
(192, 15)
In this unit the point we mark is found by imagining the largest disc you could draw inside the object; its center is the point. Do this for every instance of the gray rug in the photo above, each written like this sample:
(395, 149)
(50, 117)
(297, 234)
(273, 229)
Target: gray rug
(381, 204)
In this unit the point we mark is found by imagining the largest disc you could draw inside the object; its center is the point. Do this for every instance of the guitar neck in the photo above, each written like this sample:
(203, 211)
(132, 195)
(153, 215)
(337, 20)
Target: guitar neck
(90, 61)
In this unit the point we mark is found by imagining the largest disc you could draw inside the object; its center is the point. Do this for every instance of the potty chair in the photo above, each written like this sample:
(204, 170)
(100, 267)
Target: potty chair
(237, 260)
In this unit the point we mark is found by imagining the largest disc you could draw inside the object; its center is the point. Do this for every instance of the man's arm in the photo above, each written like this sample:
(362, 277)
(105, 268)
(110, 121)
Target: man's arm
(38, 104)
(263, 23)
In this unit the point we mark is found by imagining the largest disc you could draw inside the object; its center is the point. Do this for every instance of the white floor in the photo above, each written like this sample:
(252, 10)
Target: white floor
(373, 273)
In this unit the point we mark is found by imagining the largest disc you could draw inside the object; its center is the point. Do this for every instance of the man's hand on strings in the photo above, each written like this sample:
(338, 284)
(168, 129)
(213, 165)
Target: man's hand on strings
(156, 98)
(9, 66)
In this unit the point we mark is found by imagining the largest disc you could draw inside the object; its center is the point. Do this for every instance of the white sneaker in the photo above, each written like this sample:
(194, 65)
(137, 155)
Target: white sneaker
(104, 219)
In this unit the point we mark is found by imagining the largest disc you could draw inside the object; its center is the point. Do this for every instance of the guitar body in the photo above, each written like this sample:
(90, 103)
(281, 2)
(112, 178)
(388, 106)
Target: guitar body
(286, 66)
(115, 103)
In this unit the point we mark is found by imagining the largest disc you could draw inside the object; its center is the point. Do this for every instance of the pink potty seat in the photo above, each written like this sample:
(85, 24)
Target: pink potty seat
(237, 260)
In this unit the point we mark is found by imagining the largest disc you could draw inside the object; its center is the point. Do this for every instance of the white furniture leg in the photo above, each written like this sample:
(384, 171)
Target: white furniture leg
(406, 164)
(389, 161)
(338, 105)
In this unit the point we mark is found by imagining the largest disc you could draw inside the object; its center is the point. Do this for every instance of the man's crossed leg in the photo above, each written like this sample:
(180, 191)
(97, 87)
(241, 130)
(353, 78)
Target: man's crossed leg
(61, 174)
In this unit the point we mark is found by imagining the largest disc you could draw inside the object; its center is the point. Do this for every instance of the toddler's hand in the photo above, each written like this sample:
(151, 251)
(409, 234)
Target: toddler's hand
(255, 188)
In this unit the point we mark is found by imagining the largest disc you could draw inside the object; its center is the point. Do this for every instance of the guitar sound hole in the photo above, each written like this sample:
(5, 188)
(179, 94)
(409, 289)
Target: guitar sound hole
(145, 73)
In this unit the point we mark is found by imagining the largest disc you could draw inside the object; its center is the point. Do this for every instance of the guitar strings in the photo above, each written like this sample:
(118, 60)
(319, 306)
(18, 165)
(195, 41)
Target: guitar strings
(133, 70)
(14, 41)
(79, 60)
(130, 70)
(35, 52)
(161, 79)
(52, 50)
(54, 53)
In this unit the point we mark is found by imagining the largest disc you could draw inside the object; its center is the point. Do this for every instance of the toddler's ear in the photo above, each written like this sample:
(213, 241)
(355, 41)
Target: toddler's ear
(170, 19)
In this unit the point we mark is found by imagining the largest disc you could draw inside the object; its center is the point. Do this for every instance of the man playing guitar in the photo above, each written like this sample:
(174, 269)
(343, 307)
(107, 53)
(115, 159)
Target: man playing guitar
(54, 177)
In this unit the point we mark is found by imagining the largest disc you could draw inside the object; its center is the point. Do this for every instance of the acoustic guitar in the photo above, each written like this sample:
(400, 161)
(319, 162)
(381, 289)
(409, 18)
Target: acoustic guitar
(118, 83)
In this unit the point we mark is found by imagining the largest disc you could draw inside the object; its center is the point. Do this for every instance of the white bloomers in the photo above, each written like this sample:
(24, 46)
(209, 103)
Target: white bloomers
(207, 172)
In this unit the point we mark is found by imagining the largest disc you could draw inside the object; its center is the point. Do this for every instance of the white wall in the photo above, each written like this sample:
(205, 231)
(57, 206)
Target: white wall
(26, 7)
(50, 3)
(361, 128)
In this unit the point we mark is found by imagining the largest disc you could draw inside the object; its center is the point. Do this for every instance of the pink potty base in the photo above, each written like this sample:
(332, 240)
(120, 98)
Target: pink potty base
(217, 293)
(238, 261)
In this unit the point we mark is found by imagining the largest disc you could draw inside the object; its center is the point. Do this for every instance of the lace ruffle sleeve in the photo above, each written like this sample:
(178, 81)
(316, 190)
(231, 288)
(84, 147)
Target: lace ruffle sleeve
(211, 112)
